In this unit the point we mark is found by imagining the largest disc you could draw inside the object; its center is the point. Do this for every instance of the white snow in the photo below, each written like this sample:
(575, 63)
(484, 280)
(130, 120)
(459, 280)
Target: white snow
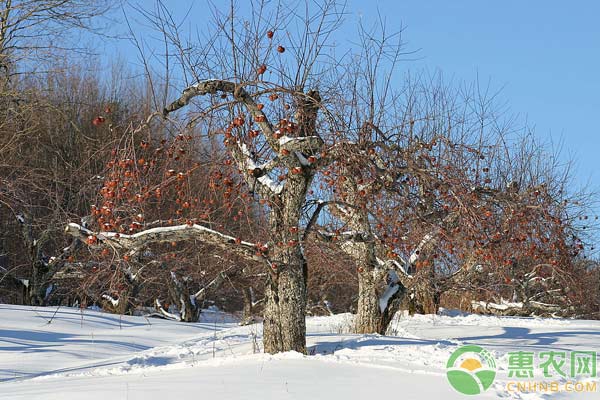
(386, 296)
(112, 300)
(392, 288)
(67, 353)
(503, 305)
(415, 254)
(275, 187)
(391, 263)
(287, 139)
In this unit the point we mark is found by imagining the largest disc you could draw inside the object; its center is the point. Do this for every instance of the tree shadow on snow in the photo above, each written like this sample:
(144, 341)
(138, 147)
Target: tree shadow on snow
(378, 342)
(523, 337)
(513, 337)
(28, 341)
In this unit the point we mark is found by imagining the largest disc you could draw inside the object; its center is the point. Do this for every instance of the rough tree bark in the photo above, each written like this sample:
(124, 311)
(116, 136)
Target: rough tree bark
(248, 310)
(284, 326)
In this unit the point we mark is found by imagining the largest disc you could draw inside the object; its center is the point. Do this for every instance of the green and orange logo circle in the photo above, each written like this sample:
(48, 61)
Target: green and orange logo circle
(471, 370)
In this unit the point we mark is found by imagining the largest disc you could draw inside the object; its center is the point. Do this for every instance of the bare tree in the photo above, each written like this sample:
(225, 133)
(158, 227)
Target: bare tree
(37, 30)
(276, 161)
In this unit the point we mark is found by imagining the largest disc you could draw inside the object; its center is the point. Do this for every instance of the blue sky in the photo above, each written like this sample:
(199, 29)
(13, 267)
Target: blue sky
(543, 55)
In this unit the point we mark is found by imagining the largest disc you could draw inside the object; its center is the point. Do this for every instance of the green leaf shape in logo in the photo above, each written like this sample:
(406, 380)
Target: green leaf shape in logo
(471, 370)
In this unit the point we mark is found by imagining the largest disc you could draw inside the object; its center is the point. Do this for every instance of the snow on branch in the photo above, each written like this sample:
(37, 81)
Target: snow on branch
(165, 313)
(516, 308)
(414, 256)
(257, 173)
(393, 286)
(430, 239)
(395, 265)
(273, 186)
(114, 302)
(166, 234)
(251, 164)
(303, 144)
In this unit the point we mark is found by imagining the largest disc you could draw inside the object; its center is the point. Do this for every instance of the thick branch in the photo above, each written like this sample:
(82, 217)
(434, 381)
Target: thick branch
(212, 86)
(139, 240)
(302, 144)
(256, 177)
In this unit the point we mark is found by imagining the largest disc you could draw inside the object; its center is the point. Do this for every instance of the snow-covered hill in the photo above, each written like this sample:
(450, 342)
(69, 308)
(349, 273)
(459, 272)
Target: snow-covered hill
(49, 353)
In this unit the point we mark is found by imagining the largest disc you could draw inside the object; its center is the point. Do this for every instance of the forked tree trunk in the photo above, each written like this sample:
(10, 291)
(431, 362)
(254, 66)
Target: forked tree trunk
(376, 307)
(285, 308)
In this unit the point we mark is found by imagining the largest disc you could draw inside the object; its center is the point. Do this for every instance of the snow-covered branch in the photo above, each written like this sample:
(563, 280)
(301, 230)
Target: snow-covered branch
(114, 302)
(516, 308)
(398, 266)
(140, 240)
(257, 175)
(414, 256)
(393, 286)
(429, 240)
(165, 313)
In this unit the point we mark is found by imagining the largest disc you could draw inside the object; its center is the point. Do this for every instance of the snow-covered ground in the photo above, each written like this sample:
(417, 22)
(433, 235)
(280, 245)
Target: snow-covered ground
(47, 353)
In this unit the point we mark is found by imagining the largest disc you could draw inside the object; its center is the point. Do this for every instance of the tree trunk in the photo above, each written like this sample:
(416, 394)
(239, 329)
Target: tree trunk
(284, 325)
(248, 310)
(189, 310)
(36, 291)
(377, 309)
(426, 296)
(368, 314)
